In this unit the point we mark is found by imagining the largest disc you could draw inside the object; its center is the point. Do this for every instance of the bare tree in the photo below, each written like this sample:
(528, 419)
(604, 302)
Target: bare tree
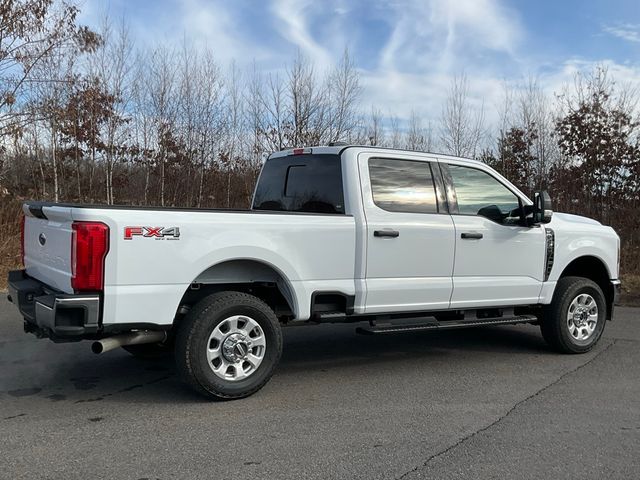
(535, 117)
(309, 118)
(462, 128)
(395, 137)
(162, 70)
(418, 138)
(344, 94)
(375, 132)
(51, 95)
(234, 127)
(255, 116)
(211, 115)
(29, 33)
(143, 122)
(276, 126)
(112, 65)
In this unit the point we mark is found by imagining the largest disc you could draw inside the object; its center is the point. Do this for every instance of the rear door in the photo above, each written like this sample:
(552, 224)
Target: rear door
(497, 261)
(409, 234)
(47, 245)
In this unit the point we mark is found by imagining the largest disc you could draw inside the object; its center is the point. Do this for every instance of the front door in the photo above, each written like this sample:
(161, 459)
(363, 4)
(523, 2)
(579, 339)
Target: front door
(409, 236)
(497, 261)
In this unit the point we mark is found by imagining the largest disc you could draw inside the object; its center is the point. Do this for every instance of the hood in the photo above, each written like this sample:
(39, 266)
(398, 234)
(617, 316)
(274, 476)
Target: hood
(570, 218)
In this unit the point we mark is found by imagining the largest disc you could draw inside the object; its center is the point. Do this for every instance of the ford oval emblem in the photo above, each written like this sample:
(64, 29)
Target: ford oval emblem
(42, 239)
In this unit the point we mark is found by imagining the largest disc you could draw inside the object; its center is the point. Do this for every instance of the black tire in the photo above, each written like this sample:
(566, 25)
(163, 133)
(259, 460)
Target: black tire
(192, 341)
(150, 351)
(554, 324)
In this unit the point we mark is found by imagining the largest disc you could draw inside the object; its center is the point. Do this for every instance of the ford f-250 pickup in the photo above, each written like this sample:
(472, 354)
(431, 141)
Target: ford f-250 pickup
(405, 241)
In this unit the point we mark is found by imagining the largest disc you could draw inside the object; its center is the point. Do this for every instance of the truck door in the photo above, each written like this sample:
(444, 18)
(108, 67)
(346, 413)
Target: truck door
(409, 234)
(498, 261)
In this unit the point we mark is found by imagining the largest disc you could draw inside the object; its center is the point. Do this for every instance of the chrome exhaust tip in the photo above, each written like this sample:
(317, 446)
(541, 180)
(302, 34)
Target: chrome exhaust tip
(131, 338)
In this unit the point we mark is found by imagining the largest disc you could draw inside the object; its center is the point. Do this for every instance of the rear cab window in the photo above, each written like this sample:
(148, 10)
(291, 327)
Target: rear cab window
(301, 183)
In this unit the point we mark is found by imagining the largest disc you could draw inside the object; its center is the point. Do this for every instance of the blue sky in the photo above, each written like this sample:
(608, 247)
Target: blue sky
(407, 51)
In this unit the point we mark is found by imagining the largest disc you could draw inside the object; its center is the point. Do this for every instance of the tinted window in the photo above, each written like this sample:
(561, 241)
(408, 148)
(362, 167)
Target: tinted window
(402, 186)
(301, 183)
(479, 193)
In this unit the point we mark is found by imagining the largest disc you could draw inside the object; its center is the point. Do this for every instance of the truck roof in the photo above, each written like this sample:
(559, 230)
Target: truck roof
(338, 149)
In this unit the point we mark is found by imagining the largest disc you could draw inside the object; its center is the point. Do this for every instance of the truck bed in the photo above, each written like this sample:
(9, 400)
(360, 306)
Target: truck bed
(146, 276)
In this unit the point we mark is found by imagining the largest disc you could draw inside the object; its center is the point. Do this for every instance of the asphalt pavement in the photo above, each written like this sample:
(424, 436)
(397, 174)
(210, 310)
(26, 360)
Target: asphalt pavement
(489, 402)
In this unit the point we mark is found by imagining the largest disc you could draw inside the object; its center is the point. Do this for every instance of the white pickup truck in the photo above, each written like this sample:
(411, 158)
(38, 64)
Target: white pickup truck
(405, 241)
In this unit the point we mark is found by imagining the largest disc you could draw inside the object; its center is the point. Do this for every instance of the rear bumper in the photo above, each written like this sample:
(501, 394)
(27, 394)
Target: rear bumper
(52, 314)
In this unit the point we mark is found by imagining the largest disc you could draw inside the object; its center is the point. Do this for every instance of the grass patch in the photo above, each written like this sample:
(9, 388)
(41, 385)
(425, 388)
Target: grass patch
(630, 295)
(10, 215)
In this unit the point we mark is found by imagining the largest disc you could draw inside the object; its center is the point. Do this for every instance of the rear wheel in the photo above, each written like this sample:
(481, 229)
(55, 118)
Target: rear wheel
(228, 345)
(575, 319)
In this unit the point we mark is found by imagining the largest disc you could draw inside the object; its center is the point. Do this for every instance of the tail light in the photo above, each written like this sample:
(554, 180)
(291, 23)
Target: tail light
(22, 220)
(89, 247)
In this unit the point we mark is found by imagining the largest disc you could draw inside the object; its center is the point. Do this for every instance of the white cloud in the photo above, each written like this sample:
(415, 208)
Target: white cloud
(433, 40)
(437, 33)
(400, 94)
(626, 31)
(625, 76)
(214, 23)
(414, 47)
(292, 15)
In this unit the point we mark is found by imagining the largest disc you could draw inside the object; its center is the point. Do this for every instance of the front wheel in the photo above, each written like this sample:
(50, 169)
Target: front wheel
(575, 319)
(228, 345)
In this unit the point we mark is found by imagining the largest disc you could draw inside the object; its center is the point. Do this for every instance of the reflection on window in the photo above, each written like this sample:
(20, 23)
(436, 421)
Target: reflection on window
(402, 186)
(479, 193)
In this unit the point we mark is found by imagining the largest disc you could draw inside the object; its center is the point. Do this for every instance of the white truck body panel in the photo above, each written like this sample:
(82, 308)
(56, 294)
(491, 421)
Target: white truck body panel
(413, 271)
(427, 267)
(578, 237)
(518, 276)
(51, 262)
(146, 278)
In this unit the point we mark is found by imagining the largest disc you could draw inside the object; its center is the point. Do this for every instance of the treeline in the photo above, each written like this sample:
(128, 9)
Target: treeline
(92, 117)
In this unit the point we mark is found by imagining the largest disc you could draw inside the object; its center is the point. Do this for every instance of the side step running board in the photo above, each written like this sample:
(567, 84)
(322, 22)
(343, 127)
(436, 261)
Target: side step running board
(446, 325)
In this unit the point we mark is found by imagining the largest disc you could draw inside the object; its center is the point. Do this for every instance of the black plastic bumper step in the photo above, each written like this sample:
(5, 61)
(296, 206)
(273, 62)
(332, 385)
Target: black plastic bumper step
(445, 325)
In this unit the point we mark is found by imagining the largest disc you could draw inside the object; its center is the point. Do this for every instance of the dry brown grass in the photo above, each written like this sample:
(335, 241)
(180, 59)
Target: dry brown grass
(10, 215)
(631, 284)
(630, 294)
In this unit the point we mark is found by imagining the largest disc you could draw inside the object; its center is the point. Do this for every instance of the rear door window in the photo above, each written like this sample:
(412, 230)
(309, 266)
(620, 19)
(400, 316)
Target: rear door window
(301, 183)
(402, 185)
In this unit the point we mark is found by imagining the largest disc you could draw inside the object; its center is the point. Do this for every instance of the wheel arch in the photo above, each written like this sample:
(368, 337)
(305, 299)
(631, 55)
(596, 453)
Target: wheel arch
(595, 269)
(256, 276)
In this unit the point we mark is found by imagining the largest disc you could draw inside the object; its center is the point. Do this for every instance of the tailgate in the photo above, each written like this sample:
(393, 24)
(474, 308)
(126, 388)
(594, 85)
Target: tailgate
(47, 245)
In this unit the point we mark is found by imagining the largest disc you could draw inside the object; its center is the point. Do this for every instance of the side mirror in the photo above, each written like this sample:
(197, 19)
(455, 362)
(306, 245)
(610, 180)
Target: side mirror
(492, 212)
(542, 210)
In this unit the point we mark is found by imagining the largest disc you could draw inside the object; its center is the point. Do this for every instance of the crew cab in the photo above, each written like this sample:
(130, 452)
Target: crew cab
(397, 241)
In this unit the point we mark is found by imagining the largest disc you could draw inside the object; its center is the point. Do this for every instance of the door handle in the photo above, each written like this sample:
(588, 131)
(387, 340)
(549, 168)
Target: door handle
(386, 233)
(471, 236)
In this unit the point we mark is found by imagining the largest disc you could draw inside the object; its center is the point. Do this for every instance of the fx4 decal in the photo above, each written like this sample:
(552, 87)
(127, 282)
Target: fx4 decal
(159, 233)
